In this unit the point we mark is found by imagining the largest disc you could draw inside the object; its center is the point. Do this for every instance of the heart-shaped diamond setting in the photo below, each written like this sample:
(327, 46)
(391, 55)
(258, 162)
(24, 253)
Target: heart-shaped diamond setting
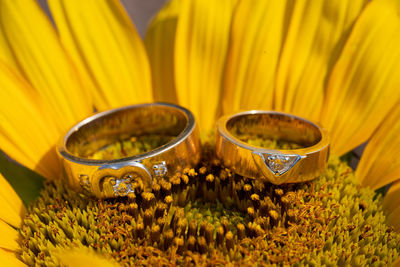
(122, 187)
(119, 180)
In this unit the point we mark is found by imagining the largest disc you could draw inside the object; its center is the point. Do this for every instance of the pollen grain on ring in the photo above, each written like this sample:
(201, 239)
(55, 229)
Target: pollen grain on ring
(209, 215)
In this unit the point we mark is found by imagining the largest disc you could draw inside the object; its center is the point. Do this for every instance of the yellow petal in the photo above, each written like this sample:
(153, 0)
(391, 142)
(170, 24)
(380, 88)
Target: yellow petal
(202, 37)
(380, 162)
(391, 200)
(9, 237)
(6, 54)
(160, 41)
(396, 263)
(27, 132)
(315, 33)
(392, 219)
(364, 84)
(82, 257)
(9, 259)
(43, 61)
(103, 41)
(11, 207)
(255, 43)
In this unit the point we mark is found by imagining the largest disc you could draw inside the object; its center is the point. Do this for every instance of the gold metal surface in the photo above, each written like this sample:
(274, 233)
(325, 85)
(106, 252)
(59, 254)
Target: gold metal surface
(119, 177)
(276, 166)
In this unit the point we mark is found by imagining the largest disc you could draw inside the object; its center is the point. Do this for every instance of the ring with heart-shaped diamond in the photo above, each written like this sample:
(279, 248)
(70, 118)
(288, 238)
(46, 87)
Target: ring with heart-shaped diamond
(305, 162)
(121, 177)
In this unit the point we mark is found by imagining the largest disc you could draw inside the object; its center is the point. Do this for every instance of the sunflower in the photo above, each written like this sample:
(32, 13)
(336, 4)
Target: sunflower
(333, 62)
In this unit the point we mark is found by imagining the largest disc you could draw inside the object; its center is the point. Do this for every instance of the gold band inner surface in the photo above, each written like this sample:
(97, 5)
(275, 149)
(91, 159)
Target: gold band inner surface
(274, 126)
(124, 124)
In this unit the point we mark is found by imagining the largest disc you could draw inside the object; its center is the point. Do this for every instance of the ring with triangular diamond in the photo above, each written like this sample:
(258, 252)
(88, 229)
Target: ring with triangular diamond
(304, 160)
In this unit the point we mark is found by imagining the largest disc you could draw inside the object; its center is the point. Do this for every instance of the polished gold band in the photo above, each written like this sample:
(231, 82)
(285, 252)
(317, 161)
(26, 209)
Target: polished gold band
(274, 166)
(117, 177)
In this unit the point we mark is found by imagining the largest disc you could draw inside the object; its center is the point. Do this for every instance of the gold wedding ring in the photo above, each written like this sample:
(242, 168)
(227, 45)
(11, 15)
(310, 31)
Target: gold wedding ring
(273, 165)
(120, 176)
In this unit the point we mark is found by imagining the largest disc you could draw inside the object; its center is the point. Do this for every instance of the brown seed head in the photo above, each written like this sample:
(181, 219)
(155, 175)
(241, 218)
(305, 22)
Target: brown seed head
(274, 214)
(155, 233)
(220, 235)
(247, 187)
(210, 178)
(192, 173)
(203, 170)
(229, 240)
(185, 179)
(241, 231)
(168, 199)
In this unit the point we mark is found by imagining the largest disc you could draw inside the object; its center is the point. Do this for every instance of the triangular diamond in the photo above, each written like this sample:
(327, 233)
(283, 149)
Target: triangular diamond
(279, 164)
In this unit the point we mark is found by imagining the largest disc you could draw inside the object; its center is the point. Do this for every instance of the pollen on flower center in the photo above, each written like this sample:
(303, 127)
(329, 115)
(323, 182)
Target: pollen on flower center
(211, 216)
